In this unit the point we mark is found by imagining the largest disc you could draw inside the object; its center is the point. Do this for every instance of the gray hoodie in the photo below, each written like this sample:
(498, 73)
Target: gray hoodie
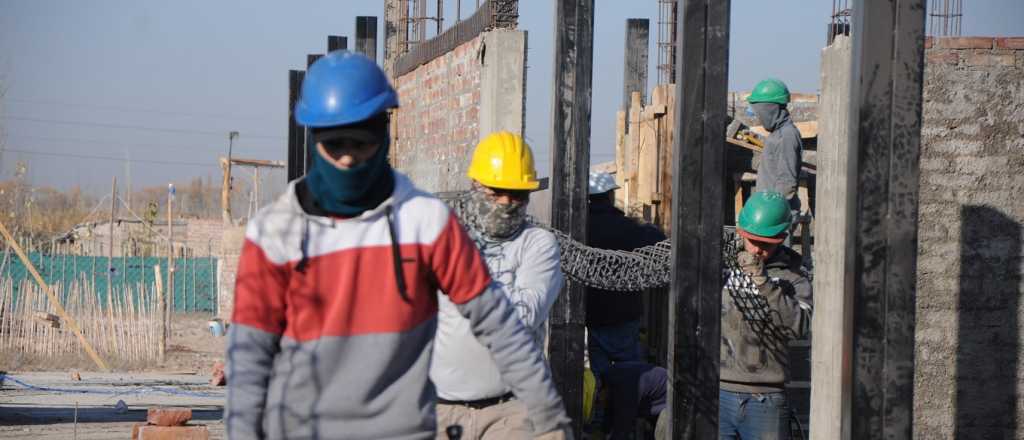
(756, 330)
(779, 170)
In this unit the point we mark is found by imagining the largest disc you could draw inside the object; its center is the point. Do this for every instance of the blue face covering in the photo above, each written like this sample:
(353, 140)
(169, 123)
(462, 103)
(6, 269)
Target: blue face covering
(355, 190)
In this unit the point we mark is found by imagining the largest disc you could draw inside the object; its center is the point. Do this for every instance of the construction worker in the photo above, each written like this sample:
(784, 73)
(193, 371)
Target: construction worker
(613, 318)
(636, 390)
(335, 299)
(779, 168)
(756, 329)
(524, 263)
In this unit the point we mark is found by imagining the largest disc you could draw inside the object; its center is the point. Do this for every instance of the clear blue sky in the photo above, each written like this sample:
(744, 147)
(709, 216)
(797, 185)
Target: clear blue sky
(189, 71)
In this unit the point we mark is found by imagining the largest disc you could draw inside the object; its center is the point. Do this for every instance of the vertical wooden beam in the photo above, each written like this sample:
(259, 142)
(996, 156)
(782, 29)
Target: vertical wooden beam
(635, 75)
(888, 58)
(338, 42)
(570, 140)
(170, 256)
(296, 134)
(110, 256)
(697, 218)
(366, 36)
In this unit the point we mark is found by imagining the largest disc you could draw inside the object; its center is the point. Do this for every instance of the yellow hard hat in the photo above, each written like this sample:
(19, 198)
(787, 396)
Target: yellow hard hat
(503, 160)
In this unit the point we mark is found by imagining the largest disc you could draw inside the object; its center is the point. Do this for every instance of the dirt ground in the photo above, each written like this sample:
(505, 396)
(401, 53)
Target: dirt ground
(38, 398)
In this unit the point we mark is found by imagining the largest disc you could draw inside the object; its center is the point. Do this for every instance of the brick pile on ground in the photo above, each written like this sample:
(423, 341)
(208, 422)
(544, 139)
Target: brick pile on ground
(169, 423)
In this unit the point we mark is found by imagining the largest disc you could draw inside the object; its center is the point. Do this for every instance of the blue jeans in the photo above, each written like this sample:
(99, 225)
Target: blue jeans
(749, 416)
(613, 343)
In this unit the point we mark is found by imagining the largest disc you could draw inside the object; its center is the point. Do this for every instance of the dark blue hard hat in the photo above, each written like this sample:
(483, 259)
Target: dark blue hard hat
(343, 88)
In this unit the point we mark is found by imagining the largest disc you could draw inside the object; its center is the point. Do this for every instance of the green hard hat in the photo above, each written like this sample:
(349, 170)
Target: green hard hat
(765, 215)
(769, 90)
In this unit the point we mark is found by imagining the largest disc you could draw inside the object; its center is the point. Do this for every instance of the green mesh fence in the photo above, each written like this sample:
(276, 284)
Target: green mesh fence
(195, 278)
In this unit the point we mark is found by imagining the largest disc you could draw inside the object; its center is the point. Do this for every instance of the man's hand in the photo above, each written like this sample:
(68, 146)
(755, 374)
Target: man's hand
(753, 266)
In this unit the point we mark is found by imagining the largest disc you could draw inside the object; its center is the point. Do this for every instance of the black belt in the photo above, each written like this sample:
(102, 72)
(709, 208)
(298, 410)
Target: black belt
(479, 404)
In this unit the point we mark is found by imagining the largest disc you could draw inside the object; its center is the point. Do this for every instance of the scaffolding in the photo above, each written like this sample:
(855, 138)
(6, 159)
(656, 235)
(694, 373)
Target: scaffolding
(944, 17)
(667, 41)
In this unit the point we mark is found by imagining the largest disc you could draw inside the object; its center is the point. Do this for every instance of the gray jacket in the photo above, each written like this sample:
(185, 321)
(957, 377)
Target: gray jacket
(756, 330)
(779, 169)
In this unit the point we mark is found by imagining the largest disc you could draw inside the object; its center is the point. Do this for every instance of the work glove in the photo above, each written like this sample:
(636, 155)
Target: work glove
(752, 265)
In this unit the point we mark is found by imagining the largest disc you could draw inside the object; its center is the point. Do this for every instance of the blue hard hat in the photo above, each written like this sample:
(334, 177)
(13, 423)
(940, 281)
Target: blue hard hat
(343, 88)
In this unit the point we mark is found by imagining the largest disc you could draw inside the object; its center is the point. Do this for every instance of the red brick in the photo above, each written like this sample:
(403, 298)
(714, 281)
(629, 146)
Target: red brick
(940, 56)
(192, 432)
(168, 416)
(987, 58)
(217, 378)
(964, 42)
(135, 430)
(1010, 43)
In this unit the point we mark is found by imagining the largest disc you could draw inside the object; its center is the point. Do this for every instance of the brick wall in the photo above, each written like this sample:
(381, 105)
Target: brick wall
(969, 278)
(451, 102)
(437, 125)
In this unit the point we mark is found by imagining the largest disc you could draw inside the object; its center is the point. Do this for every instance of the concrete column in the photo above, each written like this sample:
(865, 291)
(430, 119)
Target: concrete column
(366, 36)
(336, 42)
(836, 194)
(396, 31)
(635, 65)
(503, 82)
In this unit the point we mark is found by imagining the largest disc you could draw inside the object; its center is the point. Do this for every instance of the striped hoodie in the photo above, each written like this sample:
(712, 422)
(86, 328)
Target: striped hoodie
(330, 339)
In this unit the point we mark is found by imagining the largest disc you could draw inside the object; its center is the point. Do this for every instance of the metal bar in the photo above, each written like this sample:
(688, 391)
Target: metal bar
(697, 219)
(296, 135)
(440, 16)
(366, 36)
(338, 42)
(570, 140)
(888, 51)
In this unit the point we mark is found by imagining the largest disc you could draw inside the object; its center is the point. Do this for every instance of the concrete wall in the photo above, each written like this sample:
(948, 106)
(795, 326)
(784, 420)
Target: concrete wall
(968, 381)
(450, 103)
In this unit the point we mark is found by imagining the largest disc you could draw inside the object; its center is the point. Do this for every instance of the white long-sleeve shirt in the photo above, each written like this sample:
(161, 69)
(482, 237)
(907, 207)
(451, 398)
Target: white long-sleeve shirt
(528, 270)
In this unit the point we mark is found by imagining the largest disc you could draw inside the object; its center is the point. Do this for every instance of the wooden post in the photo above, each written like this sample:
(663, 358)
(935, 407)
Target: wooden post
(697, 219)
(888, 63)
(110, 256)
(71, 323)
(570, 140)
(366, 36)
(170, 255)
(161, 306)
(296, 135)
(336, 42)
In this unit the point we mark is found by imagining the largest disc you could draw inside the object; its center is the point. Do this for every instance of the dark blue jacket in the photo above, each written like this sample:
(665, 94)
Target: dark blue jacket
(609, 228)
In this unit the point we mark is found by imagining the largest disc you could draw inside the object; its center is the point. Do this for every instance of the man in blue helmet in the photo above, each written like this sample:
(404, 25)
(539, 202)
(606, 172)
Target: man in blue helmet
(335, 299)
